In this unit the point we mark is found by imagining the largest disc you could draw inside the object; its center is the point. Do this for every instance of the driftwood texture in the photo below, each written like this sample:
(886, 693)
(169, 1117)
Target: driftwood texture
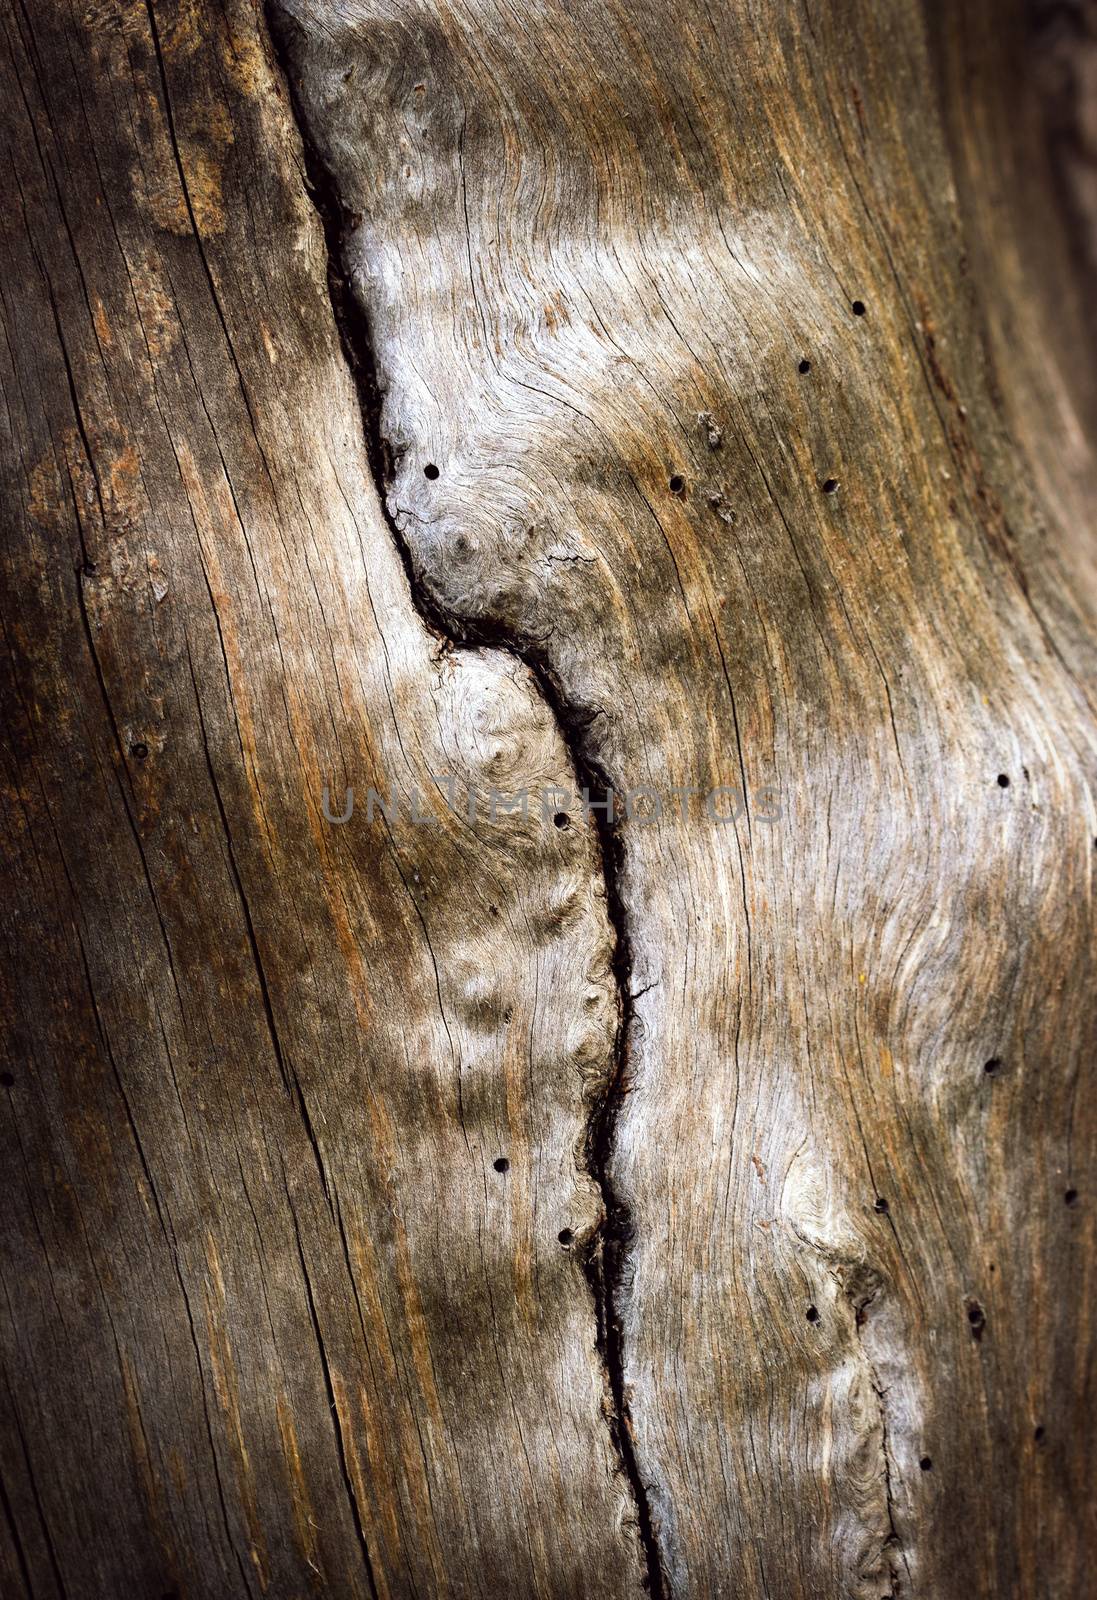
(572, 396)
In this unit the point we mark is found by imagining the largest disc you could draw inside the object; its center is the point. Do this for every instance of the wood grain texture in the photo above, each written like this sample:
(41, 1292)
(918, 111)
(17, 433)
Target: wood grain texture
(272, 1322)
(755, 440)
(748, 349)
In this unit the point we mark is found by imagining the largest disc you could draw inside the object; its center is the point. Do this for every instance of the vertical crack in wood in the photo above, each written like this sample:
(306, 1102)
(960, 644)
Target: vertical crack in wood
(333, 1401)
(893, 1546)
(604, 1253)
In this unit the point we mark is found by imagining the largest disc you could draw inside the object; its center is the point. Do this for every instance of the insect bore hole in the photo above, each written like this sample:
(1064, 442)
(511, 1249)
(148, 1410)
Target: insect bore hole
(566, 1237)
(1003, 780)
(501, 1164)
(677, 484)
(858, 308)
(804, 367)
(430, 471)
(561, 820)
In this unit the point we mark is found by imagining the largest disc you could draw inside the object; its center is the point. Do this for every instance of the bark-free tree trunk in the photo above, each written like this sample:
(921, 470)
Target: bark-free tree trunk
(468, 401)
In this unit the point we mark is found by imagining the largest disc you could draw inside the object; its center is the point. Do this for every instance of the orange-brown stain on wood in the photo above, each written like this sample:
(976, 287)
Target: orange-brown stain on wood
(146, 1471)
(304, 1519)
(516, 1047)
(225, 1386)
(379, 1444)
(102, 326)
(369, 1496)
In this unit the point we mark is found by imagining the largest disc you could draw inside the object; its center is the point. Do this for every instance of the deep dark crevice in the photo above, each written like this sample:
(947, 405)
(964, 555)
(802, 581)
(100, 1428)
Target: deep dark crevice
(604, 1254)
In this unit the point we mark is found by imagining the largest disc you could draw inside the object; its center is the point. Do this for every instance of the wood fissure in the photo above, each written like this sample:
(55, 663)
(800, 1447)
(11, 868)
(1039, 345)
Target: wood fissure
(333, 1406)
(603, 1254)
(594, 397)
(306, 1334)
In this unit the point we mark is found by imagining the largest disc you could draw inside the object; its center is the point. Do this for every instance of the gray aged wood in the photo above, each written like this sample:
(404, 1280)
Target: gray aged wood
(579, 395)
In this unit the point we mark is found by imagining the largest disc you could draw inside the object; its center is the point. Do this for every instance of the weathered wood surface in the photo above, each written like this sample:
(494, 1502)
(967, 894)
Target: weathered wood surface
(787, 1287)
(268, 1305)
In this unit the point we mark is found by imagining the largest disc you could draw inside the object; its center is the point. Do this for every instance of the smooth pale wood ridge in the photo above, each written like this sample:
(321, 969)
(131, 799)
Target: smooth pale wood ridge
(272, 1323)
(594, 245)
